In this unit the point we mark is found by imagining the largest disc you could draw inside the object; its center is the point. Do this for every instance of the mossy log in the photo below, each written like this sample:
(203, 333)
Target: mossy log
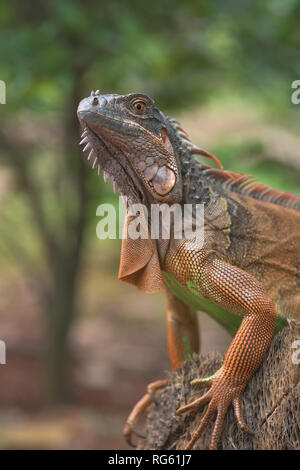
(271, 403)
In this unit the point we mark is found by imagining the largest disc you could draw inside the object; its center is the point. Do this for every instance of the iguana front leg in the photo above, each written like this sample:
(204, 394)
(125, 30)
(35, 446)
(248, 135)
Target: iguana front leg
(182, 329)
(183, 340)
(239, 293)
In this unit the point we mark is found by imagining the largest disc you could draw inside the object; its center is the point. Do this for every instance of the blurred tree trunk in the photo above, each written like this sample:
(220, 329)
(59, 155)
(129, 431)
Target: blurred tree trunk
(61, 311)
(63, 243)
(65, 260)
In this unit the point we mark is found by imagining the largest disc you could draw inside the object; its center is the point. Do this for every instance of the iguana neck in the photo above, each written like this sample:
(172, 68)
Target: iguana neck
(195, 184)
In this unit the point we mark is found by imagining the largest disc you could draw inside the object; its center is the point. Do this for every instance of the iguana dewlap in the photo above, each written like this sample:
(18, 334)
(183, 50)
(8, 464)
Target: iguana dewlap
(247, 272)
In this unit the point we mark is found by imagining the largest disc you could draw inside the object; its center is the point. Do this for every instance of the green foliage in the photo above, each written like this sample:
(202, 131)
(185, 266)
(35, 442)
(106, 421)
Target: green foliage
(180, 52)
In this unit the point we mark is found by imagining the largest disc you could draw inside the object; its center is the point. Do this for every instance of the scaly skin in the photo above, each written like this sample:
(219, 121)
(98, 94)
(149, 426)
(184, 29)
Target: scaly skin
(243, 295)
(248, 266)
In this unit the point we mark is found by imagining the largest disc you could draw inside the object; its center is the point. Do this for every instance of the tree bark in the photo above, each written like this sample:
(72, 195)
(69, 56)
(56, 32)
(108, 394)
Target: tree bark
(271, 402)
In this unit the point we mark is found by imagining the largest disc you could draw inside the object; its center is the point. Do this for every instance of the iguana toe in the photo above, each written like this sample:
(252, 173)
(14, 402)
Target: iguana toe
(223, 392)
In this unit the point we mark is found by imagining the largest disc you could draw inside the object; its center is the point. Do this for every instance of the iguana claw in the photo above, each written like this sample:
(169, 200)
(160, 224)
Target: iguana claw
(127, 433)
(141, 407)
(222, 393)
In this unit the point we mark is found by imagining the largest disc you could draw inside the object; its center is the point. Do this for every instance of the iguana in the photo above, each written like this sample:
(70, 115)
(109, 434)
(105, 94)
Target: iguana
(247, 272)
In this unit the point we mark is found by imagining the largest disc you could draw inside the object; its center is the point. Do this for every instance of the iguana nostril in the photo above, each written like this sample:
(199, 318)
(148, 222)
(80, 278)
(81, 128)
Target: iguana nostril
(95, 101)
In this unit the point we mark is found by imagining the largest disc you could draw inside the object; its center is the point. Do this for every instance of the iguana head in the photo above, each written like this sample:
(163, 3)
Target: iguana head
(142, 150)
(130, 139)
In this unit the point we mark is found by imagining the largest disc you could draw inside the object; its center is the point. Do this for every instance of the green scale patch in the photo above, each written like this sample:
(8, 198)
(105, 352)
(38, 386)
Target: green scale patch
(190, 296)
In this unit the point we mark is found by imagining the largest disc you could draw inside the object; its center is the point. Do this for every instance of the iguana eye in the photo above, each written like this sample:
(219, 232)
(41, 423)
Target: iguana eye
(139, 106)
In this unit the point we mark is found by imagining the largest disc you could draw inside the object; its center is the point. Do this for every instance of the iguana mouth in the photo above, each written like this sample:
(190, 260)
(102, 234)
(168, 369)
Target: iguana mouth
(104, 159)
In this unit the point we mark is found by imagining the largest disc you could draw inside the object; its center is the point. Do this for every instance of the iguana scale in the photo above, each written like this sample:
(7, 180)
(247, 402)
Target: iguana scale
(246, 274)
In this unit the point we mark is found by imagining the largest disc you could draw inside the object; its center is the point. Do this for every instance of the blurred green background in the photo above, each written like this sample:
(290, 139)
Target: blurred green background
(81, 346)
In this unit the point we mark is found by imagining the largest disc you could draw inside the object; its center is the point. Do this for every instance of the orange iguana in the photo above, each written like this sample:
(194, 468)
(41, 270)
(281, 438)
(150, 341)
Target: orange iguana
(245, 275)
